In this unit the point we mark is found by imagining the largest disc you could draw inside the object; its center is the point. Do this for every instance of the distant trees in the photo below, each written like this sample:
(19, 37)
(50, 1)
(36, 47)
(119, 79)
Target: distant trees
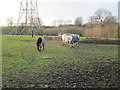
(54, 23)
(36, 21)
(61, 22)
(78, 21)
(10, 21)
(110, 20)
(107, 21)
(101, 14)
(67, 22)
(57, 22)
(102, 24)
(92, 20)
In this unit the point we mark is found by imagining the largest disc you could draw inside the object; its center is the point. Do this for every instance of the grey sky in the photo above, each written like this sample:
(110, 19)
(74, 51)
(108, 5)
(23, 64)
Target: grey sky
(61, 9)
(71, 10)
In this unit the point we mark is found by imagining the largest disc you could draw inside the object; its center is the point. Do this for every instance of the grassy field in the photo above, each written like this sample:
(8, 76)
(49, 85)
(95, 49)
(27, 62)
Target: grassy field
(90, 65)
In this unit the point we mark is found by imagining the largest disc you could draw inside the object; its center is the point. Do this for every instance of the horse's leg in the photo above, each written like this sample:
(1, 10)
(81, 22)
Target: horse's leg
(74, 44)
(71, 45)
(40, 49)
(63, 43)
(77, 44)
(43, 47)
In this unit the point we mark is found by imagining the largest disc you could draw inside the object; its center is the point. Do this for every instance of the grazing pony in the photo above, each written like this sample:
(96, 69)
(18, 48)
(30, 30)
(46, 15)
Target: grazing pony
(71, 39)
(40, 43)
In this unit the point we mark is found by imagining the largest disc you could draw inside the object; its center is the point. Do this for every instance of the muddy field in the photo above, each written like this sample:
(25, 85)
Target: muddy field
(95, 41)
(86, 66)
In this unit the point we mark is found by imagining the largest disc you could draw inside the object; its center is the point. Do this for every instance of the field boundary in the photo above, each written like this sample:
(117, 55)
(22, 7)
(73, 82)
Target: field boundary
(89, 41)
(94, 41)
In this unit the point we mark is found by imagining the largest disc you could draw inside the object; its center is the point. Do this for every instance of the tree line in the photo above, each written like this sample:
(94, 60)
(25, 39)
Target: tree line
(101, 24)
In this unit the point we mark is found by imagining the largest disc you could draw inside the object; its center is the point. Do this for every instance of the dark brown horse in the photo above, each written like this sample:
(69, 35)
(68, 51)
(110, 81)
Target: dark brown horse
(40, 43)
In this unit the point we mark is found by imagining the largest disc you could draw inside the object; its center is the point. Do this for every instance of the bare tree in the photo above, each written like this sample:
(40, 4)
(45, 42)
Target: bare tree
(54, 23)
(78, 21)
(92, 20)
(60, 22)
(110, 20)
(101, 15)
(68, 21)
(10, 21)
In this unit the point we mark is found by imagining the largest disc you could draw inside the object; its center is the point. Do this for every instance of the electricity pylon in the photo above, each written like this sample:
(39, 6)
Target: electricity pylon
(119, 19)
(119, 13)
(28, 17)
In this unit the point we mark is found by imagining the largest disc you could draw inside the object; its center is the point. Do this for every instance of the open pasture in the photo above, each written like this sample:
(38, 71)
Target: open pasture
(89, 65)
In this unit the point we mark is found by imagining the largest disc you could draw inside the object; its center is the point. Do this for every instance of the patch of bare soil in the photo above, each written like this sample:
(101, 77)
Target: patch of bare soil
(99, 76)
(95, 41)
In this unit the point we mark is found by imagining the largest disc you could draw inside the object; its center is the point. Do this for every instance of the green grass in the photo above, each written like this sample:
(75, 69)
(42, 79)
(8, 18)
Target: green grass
(110, 38)
(23, 66)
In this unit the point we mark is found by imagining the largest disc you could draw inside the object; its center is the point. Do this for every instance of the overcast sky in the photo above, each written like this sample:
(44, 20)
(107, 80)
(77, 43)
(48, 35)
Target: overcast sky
(50, 10)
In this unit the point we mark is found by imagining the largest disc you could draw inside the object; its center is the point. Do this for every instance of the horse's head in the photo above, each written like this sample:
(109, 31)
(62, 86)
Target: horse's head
(37, 45)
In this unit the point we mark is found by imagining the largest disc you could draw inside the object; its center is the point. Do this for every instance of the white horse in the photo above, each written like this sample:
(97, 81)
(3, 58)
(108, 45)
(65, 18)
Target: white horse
(71, 39)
